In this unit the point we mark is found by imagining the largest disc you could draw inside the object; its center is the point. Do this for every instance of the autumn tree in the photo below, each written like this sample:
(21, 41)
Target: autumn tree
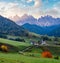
(46, 54)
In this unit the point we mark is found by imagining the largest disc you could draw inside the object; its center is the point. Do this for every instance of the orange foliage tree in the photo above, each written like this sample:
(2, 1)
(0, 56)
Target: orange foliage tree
(4, 48)
(46, 54)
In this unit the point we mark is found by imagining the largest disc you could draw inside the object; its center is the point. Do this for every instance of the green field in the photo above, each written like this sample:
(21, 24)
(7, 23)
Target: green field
(17, 58)
(33, 56)
(14, 43)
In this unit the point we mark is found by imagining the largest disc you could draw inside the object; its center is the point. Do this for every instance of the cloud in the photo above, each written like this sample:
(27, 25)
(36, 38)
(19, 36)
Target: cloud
(38, 3)
(13, 8)
(54, 11)
(28, 1)
(6, 9)
(35, 9)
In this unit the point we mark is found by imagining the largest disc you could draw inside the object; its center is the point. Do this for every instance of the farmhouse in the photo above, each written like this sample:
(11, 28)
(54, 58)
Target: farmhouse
(38, 43)
(43, 43)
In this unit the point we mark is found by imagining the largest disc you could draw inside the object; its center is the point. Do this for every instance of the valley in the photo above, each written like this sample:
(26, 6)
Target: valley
(20, 43)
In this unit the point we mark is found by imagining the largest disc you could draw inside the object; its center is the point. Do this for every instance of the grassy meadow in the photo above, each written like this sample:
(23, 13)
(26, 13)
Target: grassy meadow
(33, 55)
(17, 58)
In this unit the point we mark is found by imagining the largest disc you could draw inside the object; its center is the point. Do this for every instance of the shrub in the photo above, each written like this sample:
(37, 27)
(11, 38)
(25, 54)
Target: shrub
(45, 38)
(3, 36)
(18, 39)
(46, 54)
(56, 57)
(56, 39)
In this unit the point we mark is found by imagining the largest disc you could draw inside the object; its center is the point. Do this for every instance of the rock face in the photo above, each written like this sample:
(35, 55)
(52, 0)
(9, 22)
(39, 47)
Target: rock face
(42, 21)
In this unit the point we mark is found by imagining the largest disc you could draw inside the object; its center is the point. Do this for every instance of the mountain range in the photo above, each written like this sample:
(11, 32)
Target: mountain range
(42, 21)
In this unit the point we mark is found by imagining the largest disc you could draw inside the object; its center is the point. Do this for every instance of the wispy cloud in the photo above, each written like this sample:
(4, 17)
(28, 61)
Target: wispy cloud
(36, 8)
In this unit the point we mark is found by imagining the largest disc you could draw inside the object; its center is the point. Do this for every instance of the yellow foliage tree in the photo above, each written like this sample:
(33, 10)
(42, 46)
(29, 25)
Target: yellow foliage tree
(4, 48)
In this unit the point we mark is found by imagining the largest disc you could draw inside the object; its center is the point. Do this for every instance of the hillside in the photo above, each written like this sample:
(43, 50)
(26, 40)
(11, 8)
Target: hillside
(46, 30)
(7, 26)
(33, 28)
(55, 32)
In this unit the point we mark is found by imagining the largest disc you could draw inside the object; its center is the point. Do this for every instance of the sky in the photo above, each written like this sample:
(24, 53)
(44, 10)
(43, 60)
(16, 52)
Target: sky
(36, 8)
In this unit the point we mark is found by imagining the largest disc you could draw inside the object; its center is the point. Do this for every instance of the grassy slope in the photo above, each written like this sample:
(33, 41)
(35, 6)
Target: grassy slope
(17, 58)
(19, 45)
(15, 43)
